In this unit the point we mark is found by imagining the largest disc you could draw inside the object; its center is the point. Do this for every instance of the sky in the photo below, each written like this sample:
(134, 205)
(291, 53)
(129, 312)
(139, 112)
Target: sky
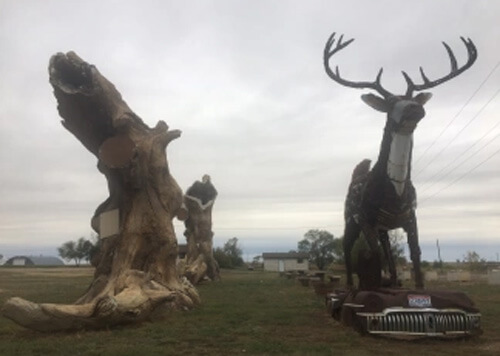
(244, 82)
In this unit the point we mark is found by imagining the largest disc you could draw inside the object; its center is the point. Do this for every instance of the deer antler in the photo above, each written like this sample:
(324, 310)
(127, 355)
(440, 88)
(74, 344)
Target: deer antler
(455, 71)
(329, 52)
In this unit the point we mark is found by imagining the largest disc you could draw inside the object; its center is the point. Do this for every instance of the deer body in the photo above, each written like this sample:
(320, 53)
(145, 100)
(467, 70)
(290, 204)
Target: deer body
(383, 198)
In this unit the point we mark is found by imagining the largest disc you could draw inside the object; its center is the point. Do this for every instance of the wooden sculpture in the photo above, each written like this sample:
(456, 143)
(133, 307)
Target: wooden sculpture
(199, 200)
(136, 276)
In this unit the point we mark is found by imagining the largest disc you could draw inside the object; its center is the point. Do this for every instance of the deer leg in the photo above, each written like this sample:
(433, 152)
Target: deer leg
(412, 232)
(351, 233)
(386, 246)
(369, 266)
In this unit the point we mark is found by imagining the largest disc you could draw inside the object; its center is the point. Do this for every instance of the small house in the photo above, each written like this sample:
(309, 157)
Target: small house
(285, 261)
(34, 261)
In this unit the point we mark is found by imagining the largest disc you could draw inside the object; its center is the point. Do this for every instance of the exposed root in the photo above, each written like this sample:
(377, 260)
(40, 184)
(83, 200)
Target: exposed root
(134, 303)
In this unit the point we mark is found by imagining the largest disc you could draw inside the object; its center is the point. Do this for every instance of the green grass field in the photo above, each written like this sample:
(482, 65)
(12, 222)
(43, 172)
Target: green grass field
(248, 312)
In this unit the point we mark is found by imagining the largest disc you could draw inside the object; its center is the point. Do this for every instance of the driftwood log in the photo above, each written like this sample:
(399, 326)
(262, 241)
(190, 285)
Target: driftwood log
(136, 277)
(199, 201)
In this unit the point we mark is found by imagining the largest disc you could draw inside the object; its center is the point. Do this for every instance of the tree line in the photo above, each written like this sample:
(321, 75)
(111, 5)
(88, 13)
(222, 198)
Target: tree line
(324, 249)
(321, 246)
(228, 256)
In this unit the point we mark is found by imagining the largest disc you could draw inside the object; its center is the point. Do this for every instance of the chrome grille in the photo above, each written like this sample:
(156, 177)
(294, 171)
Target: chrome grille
(428, 322)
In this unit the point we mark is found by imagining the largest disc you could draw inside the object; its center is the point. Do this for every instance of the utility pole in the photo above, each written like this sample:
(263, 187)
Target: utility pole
(439, 253)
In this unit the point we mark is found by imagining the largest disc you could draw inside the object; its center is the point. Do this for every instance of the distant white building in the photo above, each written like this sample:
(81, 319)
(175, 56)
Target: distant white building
(34, 261)
(285, 261)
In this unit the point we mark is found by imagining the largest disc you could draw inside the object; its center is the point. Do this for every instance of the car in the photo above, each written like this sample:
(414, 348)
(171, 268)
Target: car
(405, 313)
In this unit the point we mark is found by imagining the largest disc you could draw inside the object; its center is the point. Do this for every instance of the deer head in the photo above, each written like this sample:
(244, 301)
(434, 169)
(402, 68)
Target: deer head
(403, 111)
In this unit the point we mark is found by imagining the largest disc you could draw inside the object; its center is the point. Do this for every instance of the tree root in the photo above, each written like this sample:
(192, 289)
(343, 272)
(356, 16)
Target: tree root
(135, 302)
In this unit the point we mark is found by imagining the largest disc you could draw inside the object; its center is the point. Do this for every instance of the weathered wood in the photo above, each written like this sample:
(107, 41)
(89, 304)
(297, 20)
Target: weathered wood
(136, 275)
(199, 200)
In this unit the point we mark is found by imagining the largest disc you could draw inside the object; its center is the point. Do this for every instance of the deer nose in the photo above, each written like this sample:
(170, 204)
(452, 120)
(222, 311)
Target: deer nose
(414, 113)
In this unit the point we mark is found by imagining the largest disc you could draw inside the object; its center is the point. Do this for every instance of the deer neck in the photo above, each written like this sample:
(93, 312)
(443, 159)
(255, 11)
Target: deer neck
(395, 159)
(399, 160)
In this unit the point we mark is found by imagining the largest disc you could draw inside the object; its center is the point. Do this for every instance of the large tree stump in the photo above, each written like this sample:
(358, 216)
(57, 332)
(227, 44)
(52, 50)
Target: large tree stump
(199, 201)
(136, 275)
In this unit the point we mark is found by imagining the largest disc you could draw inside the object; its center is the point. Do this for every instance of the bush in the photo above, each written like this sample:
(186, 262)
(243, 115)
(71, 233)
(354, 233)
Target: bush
(229, 256)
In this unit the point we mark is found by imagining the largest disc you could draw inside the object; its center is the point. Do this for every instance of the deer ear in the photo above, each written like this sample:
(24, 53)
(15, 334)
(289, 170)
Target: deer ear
(375, 102)
(423, 98)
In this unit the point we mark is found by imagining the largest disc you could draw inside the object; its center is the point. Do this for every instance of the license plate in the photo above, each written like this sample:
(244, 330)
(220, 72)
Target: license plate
(419, 301)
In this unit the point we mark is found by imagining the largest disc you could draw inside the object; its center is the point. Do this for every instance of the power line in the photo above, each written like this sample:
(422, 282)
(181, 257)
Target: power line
(459, 165)
(459, 132)
(454, 118)
(462, 176)
(432, 183)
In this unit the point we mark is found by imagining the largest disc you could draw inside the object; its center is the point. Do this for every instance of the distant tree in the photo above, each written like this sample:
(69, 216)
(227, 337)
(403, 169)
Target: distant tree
(472, 257)
(396, 240)
(322, 247)
(338, 250)
(93, 255)
(222, 259)
(257, 261)
(77, 251)
(84, 248)
(474, 261)
(437, 264)
(229, 256)
(68, 251)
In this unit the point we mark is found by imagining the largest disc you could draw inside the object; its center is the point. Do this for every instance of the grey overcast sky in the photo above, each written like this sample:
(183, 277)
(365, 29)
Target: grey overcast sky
(245, 83)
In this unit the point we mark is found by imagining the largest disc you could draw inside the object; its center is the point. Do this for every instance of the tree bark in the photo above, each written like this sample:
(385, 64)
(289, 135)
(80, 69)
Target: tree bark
(199, 200)
(136, 275)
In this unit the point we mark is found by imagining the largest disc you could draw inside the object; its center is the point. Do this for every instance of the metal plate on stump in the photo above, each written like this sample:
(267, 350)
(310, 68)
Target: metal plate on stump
(109, 223)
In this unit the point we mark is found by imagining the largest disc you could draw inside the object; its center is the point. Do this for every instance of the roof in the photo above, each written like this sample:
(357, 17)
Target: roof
(284, 255)
(38, 260)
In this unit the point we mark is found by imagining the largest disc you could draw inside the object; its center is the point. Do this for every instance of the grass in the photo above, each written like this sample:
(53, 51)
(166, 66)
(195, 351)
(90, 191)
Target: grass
(248, 312)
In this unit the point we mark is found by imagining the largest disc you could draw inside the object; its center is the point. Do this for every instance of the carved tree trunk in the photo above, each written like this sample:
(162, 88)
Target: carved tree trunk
(199, 200)
(136, 275)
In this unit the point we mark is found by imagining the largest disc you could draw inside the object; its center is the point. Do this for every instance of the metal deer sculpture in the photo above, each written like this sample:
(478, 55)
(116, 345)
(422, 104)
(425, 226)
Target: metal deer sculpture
(384, 198)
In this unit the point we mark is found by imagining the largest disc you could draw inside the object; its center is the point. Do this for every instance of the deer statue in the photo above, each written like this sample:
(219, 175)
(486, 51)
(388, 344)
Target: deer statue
(384, 198)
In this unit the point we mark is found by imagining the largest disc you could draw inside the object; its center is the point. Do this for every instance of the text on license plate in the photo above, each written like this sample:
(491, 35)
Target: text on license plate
(419, 301)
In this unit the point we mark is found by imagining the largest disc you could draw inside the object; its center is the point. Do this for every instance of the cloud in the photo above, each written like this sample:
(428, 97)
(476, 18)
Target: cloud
(245, 83)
